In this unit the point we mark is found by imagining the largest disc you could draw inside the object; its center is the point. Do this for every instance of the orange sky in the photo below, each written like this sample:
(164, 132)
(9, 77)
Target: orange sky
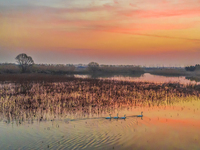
(142, 32)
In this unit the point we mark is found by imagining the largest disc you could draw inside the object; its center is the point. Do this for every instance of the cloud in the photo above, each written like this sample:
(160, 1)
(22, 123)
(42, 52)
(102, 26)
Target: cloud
(116, 2)
(161, 36)
(160, 13)
(28, 8)
(127, 18)
(133, 5)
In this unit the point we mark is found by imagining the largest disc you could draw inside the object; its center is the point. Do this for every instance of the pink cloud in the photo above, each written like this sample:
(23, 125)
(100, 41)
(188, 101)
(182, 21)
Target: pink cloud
(133, 5)
(159, 36)
(116, 2)
(160, 13)
(77, 10)
(50, 16)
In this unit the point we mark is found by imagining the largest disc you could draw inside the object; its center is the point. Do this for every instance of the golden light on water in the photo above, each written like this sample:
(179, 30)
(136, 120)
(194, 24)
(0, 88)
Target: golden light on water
(72, 115)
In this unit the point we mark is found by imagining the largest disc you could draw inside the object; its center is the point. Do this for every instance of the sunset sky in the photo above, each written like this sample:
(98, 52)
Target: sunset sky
(135, 32)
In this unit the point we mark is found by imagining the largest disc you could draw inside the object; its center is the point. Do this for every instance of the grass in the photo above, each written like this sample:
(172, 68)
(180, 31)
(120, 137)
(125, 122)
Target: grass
(33, 77)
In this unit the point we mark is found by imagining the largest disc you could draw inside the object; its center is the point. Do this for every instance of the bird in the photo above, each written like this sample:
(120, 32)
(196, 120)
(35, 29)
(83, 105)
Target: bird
(123, 117)
(108, 117)
(116, 117)
(140, 115)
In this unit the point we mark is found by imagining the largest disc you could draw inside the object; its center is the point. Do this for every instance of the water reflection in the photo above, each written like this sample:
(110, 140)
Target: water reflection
(169, 126)
(110, 75)
(72, 115)
(147, 77)
(88, 97)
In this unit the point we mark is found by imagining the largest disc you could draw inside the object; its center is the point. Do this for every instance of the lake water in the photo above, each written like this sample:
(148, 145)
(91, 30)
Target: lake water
(173, 126)
(147, 77)
(165, 127)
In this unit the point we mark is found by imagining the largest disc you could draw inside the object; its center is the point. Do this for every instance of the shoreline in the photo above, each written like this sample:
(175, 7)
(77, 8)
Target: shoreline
(41, 77)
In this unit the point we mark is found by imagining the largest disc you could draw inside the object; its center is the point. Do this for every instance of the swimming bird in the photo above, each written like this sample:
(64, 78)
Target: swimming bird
(116, 117)
(140, 115)
(108, 117)
(123, 117)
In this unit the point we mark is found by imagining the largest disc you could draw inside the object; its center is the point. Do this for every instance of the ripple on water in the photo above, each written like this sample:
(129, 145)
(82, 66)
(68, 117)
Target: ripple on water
(99, 133)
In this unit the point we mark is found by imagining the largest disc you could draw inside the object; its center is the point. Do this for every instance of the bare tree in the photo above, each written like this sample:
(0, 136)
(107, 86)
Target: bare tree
(24, 61)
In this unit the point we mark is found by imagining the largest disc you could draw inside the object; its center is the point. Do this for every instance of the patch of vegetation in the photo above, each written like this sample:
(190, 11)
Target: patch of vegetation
(25, 100)
(190, 68)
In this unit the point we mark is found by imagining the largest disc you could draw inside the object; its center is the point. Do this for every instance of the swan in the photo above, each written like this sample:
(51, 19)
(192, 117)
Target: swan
(123, 117)
(108, 117)
(140, 115)
(116, 117)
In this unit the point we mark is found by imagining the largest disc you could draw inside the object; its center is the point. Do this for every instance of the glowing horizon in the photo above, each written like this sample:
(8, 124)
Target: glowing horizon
(140, 32)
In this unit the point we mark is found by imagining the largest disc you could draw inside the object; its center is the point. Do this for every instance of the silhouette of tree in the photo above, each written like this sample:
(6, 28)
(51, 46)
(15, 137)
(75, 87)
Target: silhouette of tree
(24, 62)
(190, 68)
(93, 66)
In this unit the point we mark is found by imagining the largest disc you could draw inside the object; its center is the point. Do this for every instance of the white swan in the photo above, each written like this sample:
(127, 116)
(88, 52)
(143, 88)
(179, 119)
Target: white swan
(140, 115)
(108, 117)
(116, 117)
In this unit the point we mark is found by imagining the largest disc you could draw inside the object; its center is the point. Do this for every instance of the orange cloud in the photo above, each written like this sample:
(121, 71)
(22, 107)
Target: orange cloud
(160, 13)
(119, 28)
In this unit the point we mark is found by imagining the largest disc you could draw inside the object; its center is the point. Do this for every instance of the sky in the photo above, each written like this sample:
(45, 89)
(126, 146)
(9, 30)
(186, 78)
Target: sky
(127, 32)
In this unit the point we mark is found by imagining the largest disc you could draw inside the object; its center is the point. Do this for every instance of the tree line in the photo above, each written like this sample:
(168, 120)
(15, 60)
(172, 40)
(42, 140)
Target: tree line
(192, 68)
(26, 64)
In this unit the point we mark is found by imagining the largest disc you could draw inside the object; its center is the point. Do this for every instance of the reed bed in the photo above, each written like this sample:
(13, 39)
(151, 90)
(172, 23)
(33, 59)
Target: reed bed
(31, 100)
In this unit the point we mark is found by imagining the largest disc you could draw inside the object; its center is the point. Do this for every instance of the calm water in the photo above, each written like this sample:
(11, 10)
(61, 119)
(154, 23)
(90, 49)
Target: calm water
(165, 127)
(147, 77)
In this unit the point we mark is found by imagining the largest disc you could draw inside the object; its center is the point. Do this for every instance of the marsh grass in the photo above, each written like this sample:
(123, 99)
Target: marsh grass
(33, 77)
(31, 99)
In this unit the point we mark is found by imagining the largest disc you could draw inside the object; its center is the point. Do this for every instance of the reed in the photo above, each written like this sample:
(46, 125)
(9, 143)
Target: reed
(29, 100)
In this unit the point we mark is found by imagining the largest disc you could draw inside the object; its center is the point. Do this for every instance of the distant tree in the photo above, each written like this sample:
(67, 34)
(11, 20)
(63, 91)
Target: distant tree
(197, 67)
(93, 66)
(24, 61)
(190, 68)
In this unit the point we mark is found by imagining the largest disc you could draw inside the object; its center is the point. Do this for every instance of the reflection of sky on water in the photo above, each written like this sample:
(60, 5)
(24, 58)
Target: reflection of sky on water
(58, 126)
(147, 77)
(154, 78)
(162, 127)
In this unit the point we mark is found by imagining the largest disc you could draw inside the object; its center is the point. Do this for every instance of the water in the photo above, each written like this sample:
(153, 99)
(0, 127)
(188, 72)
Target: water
(147, 77)
(58, 126)
(165, 127)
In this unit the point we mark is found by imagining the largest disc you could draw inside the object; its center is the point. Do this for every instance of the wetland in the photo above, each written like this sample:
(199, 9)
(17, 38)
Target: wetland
(69, 113)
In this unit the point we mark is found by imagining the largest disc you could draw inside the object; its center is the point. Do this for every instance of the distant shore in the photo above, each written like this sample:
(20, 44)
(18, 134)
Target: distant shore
(12, 72)
(193, 76)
